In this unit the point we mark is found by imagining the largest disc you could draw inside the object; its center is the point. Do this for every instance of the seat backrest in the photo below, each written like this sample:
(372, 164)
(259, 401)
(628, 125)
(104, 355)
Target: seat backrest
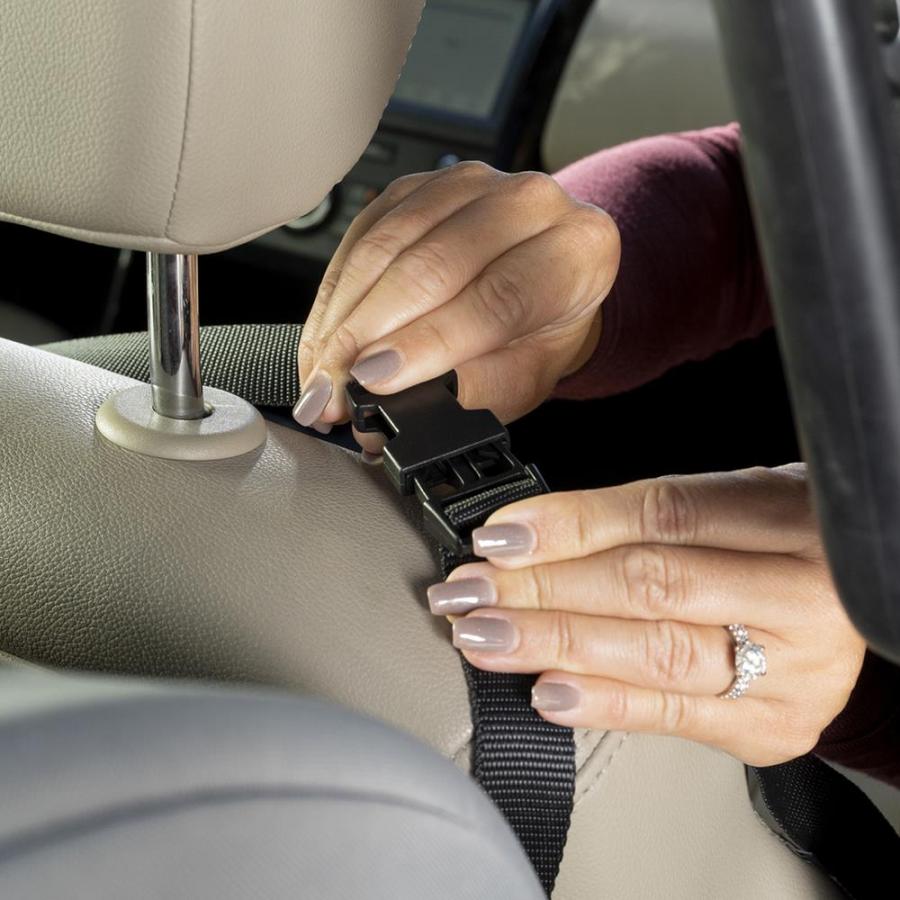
(119, 788)
(298, 567)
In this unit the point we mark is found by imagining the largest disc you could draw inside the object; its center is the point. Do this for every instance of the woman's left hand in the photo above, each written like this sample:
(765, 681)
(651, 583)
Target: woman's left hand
(619, 597)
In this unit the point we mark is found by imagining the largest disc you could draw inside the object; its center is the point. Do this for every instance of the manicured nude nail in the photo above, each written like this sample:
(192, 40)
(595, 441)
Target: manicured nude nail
(456, 598)
(314, 400)
(552, 696)
(322, 427)
(378, 367)
(484, 634)
(503, 540)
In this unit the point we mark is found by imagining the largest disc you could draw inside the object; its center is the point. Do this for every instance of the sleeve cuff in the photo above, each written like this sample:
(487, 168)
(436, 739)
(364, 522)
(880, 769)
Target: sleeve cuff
(866, 734)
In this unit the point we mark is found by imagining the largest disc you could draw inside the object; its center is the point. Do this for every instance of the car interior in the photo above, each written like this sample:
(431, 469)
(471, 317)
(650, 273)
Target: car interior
(198, 696)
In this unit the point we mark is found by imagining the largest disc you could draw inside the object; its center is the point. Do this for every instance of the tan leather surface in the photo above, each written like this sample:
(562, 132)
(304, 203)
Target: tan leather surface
(298, 567)
(639, 67)
(188, 125)
(661, 817)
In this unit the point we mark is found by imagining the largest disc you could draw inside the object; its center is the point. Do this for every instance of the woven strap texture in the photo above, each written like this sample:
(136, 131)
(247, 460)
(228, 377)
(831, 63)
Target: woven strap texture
(524, 763)
(829, 821)
(256, 362)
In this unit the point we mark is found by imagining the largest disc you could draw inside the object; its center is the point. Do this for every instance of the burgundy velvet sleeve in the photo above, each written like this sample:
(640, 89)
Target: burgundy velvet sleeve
(690, 281)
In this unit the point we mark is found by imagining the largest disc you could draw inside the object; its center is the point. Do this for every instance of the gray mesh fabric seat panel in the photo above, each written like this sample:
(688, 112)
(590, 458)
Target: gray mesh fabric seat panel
(256, 362)
(128, 789)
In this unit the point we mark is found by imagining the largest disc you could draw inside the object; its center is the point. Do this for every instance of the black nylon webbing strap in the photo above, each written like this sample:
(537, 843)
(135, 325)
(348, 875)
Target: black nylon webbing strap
(524, 763)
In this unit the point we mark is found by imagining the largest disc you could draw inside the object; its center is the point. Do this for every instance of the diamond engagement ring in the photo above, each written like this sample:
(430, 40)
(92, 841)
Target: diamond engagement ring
(749, 662)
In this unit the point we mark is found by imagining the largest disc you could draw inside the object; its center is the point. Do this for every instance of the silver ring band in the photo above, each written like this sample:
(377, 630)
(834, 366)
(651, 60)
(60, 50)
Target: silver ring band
(749, 662)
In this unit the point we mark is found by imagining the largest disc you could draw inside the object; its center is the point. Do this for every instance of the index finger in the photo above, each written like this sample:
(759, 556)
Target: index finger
(755, 510)
(380, 206)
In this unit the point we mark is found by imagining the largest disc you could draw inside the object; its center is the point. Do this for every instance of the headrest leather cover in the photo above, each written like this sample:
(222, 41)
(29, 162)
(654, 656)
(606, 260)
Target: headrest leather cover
(188, 125)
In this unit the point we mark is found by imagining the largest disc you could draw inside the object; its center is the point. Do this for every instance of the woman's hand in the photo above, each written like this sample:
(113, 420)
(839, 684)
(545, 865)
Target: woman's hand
(497, 276)
(619, 598)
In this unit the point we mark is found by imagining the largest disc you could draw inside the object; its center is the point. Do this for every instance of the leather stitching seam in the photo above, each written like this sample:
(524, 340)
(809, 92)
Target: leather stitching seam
(596, 779)
(184, 124)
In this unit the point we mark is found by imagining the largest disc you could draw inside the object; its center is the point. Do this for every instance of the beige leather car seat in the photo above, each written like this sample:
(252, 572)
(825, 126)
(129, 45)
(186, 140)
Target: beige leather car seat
(179, 127)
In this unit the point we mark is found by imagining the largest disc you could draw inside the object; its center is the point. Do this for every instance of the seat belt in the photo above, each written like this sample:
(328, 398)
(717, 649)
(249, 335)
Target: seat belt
(524, 763)
(459, 465)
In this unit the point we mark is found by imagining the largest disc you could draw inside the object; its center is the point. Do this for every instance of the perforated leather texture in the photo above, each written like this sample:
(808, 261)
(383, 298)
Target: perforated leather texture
(188, 125)
(299, 567)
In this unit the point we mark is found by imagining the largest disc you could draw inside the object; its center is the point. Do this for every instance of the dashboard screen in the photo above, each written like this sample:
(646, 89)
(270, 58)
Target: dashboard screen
(460, 55)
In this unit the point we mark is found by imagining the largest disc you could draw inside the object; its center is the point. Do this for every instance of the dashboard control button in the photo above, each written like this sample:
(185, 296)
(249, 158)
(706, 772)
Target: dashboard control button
(447, 160)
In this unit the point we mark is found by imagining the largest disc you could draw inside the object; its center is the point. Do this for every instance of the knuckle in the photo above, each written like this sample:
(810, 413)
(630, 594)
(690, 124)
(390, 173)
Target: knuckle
(536, 187)
(617, 707)
(428, 335)
(374, 251)
(540, 587)
(581, 522)
(675, 713)
(501, 300)
(327, 287)
(670, 654)
(566, 646)
(668, 514)
(345, 342)
(310, 348)
(308, 344)
(423, 268)
(471, 168)
(400, 187)
(653, 581)
(594, 226)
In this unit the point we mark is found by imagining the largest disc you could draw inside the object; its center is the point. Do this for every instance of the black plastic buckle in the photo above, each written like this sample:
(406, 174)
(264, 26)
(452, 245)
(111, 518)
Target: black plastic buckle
(438, 450)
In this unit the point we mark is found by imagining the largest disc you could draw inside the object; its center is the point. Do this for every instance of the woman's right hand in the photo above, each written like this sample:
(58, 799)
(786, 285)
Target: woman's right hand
(497, 276)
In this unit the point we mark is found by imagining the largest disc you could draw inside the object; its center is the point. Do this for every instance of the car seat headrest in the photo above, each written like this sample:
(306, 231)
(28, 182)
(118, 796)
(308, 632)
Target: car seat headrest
(188, 126)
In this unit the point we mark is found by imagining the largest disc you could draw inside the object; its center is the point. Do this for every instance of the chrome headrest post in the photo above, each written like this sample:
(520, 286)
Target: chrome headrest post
(172, 417)
(173, 317)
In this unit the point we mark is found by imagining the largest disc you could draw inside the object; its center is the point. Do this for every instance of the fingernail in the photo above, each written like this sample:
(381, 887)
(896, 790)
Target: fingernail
(455, 598)
(322, 427)
(484, 633)
(371, 459)
(314, 400)
(503, 540)
(552, 696)
(378, 367)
